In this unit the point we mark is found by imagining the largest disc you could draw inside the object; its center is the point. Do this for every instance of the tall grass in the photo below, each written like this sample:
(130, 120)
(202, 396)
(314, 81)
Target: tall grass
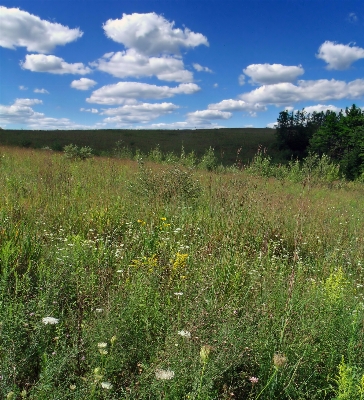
(165, 282)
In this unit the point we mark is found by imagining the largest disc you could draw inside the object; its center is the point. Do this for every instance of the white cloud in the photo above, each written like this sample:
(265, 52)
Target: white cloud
(91, 110)
(123, 92)
(241, 80)
(138, 113)
(267, 74)
(21, 87)
(42, 91)
(272, 125)
(27, 102)
(53, 65)
(216, 85)
(320, 107)
(20, 29)
(200, 68)
(193, 124)
(208, 115)
(319, 90)
(339, 56)
(129, 63)
(236, 105)
(83, 84)
(21, 112)
(151, 34)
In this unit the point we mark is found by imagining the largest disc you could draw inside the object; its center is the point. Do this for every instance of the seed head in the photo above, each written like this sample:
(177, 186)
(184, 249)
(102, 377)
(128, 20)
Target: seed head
(279, 360)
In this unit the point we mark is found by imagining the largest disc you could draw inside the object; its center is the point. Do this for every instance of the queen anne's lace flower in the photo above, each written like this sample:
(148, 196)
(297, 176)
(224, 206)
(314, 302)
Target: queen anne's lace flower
(164, 375)
(184, 334)
(106, 385)
(50, 321)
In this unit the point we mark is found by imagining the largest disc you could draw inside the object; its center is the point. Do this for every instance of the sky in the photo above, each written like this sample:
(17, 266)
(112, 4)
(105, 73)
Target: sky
(176, 64)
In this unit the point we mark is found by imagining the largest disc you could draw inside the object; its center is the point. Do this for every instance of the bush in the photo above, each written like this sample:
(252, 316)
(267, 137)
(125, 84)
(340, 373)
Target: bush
(73, 152)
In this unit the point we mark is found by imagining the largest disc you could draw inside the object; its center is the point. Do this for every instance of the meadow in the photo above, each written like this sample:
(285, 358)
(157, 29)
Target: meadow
(124, 279)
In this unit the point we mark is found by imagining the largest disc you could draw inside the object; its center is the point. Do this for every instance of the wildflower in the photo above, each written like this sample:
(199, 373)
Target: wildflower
(180, 262)
(99, 310)
(106, 385)
(50, 321)
(102, 347)
(164, 219)
(184, 334)
(113, 340)
(205, 353)
(279, 360)
(253, 380)
(164, 375)
(98, 374)
(72, 387)
(178, 294)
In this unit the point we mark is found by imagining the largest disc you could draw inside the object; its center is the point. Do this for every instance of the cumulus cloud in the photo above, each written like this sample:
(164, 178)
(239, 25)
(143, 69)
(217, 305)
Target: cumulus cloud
(122, 92)
(267, 74)
(200, 124)
(236, 105)
(208, 115)
(272, 125)
(129, 63)
(53, 65)
(138, 113)
(241, 80)
(320, 107)
(83, 84)
(21, 87)
(21, 112)
(339, 56)
(153, 47)
(151, 34)
(20, 29)
(42, 91)
(310, 90)
(200, 68)
(91, 110)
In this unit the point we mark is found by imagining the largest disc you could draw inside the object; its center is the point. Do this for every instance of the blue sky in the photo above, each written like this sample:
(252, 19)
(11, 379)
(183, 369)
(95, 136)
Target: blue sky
(175, 64)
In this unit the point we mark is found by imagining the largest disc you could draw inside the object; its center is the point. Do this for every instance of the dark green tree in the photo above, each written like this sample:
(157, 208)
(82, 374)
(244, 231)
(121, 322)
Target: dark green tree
(341, 137)
(295, 130)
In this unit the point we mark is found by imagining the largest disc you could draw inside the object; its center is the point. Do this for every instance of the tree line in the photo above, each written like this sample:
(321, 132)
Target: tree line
(338, 135)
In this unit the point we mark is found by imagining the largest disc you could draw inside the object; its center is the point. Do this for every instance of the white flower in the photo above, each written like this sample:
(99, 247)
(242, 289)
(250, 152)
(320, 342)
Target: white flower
(178, 294)
(164, 375)
(106, 385)
(184, 334)
(99, 310)
(101, 345)
(50, 321)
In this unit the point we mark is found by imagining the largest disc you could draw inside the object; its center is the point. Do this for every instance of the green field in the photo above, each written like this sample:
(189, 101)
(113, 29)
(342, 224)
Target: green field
(226, 142)
(126, 280)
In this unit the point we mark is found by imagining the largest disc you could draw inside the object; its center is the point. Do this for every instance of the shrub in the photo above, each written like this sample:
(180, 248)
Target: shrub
(73, 152)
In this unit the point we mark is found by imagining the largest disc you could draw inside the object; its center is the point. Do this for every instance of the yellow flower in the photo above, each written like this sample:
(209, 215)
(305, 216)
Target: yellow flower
(164, 219)
(180, 261)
